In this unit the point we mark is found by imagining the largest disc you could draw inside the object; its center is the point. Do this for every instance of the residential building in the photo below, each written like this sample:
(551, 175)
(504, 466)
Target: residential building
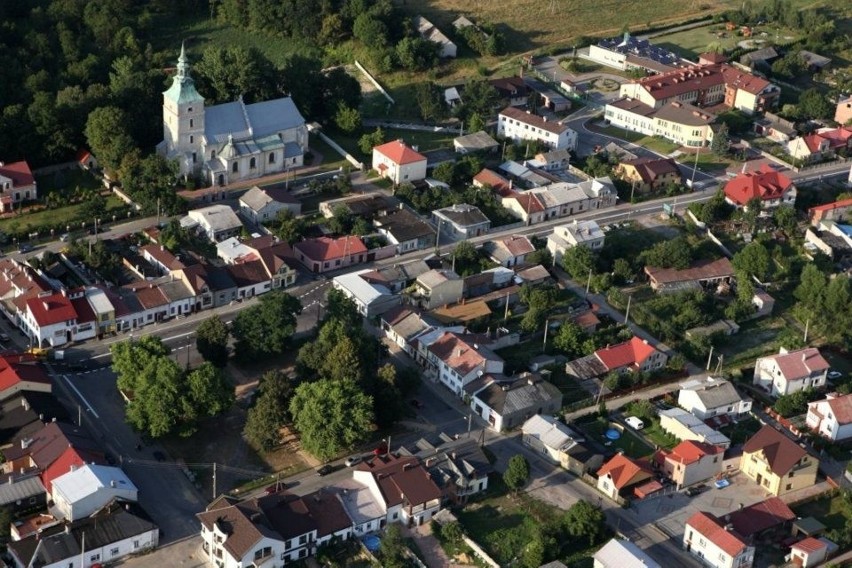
(458, 466)
(578, 233)
(429, 32)
(690, 462)
(526, 175)
(413, 332)
(705, 85)
(509, 251)
(22, 373)
(678, 121)
(777, 463)
(837, 211)
(216, 222)
(824, 144)
(811, 552)
(21, 494)
(398, 162)
(50, 320)
(397, 277)
(635, 355)
(564, 199)
(626, 52)
(370, 299)
(508, 404)
(558, 443)
(491, 179)
(455, 360)
(360, 205)
(513, 91)
(843, 111)
(685, 426)
(831, 417)
(475, 142)
(17, 185)
(621, 553)
(27, 412)
(710, 397)
(770, 186)
(325, 253)
(86, 489)
(160, 258)
(438, 288)
(554, 160)
(526, 206)
(114, 532)
(548, 97)
(706, 537)
(230, 141)
(619, 476)
(519, 125)
(405, 230)
(760, 57)
(403, 488)
(813, 62)
(261, 205)
(649, 174)
(704, 274)
(460, 222)
(769, 519)
(775, 128)
(791, 371)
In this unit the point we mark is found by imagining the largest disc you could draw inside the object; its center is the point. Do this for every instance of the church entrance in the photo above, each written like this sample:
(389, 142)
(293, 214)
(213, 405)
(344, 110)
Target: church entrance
(221, 179)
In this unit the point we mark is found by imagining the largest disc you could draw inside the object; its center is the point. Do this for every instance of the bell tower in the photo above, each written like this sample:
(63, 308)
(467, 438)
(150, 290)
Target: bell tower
(183, 118)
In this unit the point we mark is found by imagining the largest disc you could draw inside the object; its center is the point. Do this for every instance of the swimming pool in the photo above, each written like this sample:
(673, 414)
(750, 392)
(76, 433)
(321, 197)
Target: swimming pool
(372, 542)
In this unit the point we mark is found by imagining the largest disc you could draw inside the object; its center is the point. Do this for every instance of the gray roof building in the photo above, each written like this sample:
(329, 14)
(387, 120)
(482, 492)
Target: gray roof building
(508, 404)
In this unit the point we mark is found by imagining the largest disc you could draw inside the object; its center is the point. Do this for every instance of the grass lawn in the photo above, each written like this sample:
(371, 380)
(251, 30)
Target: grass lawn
(66, 181)
(756, 338)
(742, 430)
(655, 143)
(60, 217)
(632, 445)
(659, 436)
(690, 43)
(830, 511)
(330, 158)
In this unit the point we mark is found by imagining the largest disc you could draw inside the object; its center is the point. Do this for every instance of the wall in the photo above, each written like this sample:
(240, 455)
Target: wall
(374, 82)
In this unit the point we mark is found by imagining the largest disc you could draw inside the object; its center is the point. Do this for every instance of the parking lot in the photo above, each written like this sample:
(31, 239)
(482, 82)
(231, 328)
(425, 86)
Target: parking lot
(670, 509)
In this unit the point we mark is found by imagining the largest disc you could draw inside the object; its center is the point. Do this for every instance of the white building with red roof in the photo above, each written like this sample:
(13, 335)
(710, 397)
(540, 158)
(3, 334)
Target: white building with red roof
(457, 359)
(50, 320)
(325, 253)
(834, 211)
(811, 551)
(831, 417)
(621, 474)
(635, 355)
(706, 537)
(820, 145)
(398, 162)
(791, 371)
(690, 462)
(17, 184)
(770, 186)
(402, 486)
(21, 373)
(510, 251)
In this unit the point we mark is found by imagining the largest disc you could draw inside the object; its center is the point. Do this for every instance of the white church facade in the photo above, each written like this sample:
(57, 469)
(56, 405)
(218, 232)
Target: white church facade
(232, 141)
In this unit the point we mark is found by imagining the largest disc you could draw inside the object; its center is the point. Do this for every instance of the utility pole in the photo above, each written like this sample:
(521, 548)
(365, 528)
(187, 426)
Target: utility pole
(506, 314)
(588, 283)
(79, 415)
(632, 189)
(807, 325)
(709, 357)
(188, 347)
(544, 345)
(469, 422)
(627, 313)
(214, 480)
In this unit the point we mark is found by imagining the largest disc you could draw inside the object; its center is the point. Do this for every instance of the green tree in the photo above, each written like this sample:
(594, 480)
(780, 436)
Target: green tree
(479, 98)
(642, 409)
(392, 549)
(290, 227)
(210, 391)
(265, 329)
(811, 290)
(674, 253)
(227, 73)
(754, 260)
(475, 123)
(347, 119)
(211, 340)
(417, 54)
(269, 412)
(570, 339)
(108, 137)
(94, 207)
(517, 473)
(837, 317)
(814, 105)
(793, 404)
(584, 520)
(785, 218)
(157, 407)
(430, 102)
(721, 141)
(131, 359)
(368, 141)
(577, 262)
(331, 416)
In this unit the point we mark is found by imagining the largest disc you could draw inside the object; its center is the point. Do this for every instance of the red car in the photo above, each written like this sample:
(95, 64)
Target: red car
(381, 449)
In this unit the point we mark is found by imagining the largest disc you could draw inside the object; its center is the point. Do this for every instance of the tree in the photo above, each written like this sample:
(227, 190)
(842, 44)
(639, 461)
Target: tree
(642, 409)
(107, 136)
(793, 404)
(584, 520)
(417, 54)
(475, 123)
(157, 407)
(227, 73)
(479, 97)
(211, 340)
(290, 227)
(721, 141)
(331, 416)
(577, 262)
(369, 141)
(210, 392)
(392, 548)
(269, 412)
(539, 301)
(517, 473)
(754, 260)
(347, 119)
(570, 339)
(430, 102)
(674, 253)
(785, 218)
(93, 207)
(814, 105)
(265, 329)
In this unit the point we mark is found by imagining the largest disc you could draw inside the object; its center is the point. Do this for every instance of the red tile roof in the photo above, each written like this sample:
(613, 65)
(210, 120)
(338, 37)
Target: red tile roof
(625, 471)
(761, 516)
(517, 245)
(52, 309)
(15, 370)
(399, 153)
(809, 545)
(741, 80)
(326, 248)
(84, 310)
(766, 183)
(833, 205)
(402, 479)
(702, 270)
(491, 178)
(18, 172)
(800, 363)
(781, 452)
(150, 296)
(689, 451)
(713, 529)
(528, 201)
(841, 406)
(633, 352)
(457, 353)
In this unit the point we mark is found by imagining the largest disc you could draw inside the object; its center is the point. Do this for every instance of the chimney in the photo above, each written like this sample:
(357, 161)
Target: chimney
(67, 528)
(459, 352)
(25, 404)
(112, 483)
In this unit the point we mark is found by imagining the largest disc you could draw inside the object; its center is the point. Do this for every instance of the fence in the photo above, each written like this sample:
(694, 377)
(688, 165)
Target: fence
(374, 82)
(412, 126)
(337, 148)
(126, 198)
(718, 243)
(56, 168)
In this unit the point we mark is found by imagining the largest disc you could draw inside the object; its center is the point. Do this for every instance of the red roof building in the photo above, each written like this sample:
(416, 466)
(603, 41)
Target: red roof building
(495, 181)
(16, 184)
(22, 373)
(834, 211)
(325, 253)
(772, 513)
(398, 162)
(770, 186)
(633, 355)
(705, 536)
(403, 484)
(50, 319)
(791, 371)
(831, 417)
(690, 462)
(621, 474)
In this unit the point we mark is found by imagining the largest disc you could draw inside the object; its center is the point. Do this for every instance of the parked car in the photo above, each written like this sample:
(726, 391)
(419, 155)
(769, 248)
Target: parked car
(24, 248)
(381, 449)
(4, 338)
(834, 374)
(634, 422)
(695, 490)
(325, 470)
(64, 237)
(353, 460)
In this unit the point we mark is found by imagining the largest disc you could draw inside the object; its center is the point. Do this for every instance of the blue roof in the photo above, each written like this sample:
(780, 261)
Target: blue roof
(845, 229)
(182, 91)
(250, 121)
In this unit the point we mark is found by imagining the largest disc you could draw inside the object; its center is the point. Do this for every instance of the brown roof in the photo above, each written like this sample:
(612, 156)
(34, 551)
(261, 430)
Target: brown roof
(528, 201)
(681, 81)
(699, 271)
(625, 471)
(534, 120)
(235, 522)
(510, 87)
(633, 106)
(162, 255)
(248, 273)
(516, 245)
(781, 452)
(457, 353)
(649, 169)
(841, 406)
(150, 296)
(761, 516)
(491, 178)
(402, 480)
(800, 363)
(713, 529)
(684, 113)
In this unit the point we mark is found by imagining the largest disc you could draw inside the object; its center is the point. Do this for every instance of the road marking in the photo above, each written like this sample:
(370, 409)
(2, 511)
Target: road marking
(83, 398)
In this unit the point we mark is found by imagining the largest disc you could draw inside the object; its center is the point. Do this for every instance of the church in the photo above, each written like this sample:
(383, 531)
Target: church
(229, 142)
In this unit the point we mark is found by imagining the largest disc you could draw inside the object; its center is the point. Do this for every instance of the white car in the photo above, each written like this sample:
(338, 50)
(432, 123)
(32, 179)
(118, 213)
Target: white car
(834, 374)
(634, 422)
(353, 460)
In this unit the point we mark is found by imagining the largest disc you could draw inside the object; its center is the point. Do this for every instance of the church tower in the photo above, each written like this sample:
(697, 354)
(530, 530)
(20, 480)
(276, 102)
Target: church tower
(183, 119)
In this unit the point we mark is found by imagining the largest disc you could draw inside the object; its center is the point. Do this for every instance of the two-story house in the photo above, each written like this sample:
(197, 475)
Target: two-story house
(460, 222)
(578, 233)
(649, 174)
(510, 251)
(777, 463)
(438, 288)
(262, 204)
(17, 185)
(791, 371)
(831, 417)
(710, 397)
(402, 486)
(508, 404)
(706, 537)
(635, 355)
(770, 186)
(455, 360)
(621, 474)
(519, 125)
(398, 162)
(457, 465)
(50, 320)
(690, 462)
(405, 230)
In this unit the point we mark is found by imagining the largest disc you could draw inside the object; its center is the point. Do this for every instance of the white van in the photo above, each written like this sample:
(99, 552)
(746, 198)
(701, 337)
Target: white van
(634, 422)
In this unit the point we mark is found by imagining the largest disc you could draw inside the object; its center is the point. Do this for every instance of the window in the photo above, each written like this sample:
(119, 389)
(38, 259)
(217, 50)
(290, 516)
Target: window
(272, 157)
(252, 164)
(235, 167)
(114, 552)
(212, 154)
(191, 123)
(95, 557)
(189, 109)
(791, 474)
(263, 553)
(194, 157)
(135, 544)
(789, 486)
(303, 539)
(192, 139)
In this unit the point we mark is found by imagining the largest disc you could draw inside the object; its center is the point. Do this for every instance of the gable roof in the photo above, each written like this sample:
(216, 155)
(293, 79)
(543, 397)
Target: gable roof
(491, 178)
(527, 393)
(459, 355)
(713, 392)
(404, 225)
(781, 452)
(251, 121)
(510, 87)
(625, 471)
(713, 529)
(761, 516)
(259, 197)
(765, 183)
(463, 215)
(841, 407)
(702, 270)
(18, 369)
(51, 309)
(401, 479)
(18, 172)
(632, 352)
(534, 120)
(690, 451)
(510, 247)
(550, 431)
(529, 201)
(649, 169)
(327, 248)
(399, 153)
(800, 363)
(619, 553)
(810, 545)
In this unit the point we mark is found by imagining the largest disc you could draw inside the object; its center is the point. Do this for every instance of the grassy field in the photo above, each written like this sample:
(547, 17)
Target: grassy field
(691, 43)
(632, 445)
(423, 140)
(62, 216)
(654, 143)
(66, 182)
(659, 436)
(830, 511)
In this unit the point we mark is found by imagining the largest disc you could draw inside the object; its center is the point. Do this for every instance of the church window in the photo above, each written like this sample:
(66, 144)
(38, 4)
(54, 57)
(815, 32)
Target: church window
(252, 164)
(235, 167)
(272, 157)
(194, 158)
(189, 109)
(212, 154)
(190, 122)
(192, 139)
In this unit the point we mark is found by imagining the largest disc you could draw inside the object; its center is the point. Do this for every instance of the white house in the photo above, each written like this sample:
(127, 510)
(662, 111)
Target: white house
(709, 397)
(791, 371)
(706, 537)
(402, 486)
(518, 125)
(86, 489)
(621, 553)
(217, 222)
(811, 551)
(428, 31)
(690, 462)
(831, 417)
(398, 162)
(371, 299)
(456, 360)
(563, 237)
(259, 205)
(17, 185)
(510, 251)
(548, 436)
(50, 319)
(405, 230)
(509, 403)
